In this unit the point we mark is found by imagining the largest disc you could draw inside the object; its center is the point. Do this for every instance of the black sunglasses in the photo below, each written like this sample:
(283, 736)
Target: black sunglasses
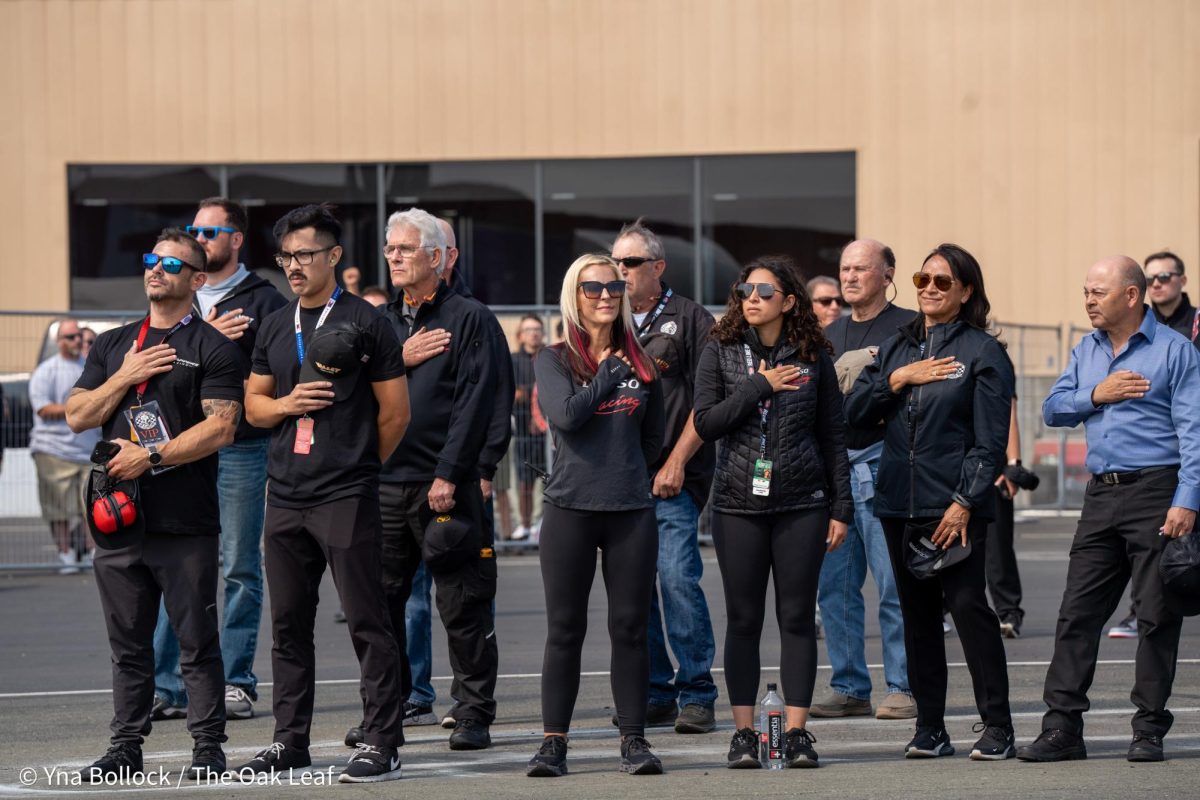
(1162, 277)
(765, 290)
(828, 301)
(592, 290)
(633, 262)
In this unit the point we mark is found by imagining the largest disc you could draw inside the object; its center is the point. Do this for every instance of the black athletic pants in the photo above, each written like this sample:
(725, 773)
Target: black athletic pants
(1003, 578)
(788, 547)
(1116, 539)
(961, 588)
(463, 595)
(182, 570)
(298, 544)
(628, 545)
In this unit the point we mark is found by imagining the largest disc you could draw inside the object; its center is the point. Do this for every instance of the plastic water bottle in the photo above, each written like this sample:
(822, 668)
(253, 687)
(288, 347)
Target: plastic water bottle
(770, 716)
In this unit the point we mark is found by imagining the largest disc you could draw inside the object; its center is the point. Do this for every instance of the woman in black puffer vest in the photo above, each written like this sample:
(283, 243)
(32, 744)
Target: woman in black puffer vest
(767, 392)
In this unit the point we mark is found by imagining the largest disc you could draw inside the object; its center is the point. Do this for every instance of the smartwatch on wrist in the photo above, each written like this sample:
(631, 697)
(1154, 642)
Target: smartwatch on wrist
(155, 456)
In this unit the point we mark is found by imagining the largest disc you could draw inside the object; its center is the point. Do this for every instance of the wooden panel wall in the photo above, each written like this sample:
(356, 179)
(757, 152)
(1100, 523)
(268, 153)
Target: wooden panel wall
(1041, 134)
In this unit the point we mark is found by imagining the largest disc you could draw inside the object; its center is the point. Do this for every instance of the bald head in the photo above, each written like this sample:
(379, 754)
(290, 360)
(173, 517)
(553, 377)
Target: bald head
(1121, 271)
(451, 248)
(1113, 294)
(865, 271)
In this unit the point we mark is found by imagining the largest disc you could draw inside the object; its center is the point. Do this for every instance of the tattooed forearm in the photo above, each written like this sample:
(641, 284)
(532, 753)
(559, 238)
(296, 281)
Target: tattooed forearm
(230, 410)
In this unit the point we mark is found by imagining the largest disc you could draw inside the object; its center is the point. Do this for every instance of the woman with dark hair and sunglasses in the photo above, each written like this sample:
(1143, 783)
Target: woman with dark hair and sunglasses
(603, 401)
(767, 392)
(943, 387)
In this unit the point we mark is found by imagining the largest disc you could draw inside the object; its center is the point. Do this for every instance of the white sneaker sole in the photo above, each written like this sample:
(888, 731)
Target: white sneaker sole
(979, 755)
(394, 775)
(941, 750)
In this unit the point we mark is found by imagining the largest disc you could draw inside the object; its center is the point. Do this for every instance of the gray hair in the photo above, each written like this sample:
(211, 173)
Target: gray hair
(822, 280)
(654, 245)
(426, 225)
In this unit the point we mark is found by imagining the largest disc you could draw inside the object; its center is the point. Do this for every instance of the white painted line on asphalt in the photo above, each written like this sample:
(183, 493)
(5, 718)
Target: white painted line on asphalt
(1113, 662)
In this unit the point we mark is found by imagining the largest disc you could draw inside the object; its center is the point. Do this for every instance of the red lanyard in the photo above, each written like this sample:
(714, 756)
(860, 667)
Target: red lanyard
(141, 387)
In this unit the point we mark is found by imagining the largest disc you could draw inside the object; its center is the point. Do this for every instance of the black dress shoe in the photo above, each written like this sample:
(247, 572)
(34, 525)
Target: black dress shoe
(1054, 745)
(470, 734)
(1145, 747)
(695, 718)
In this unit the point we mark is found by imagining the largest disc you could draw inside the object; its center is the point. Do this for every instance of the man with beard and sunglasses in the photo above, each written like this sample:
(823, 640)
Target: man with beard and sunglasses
(179, 384)
(235, 302)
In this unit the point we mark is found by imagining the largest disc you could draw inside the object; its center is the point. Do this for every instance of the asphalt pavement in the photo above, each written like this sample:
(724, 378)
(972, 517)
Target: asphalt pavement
(55, 707)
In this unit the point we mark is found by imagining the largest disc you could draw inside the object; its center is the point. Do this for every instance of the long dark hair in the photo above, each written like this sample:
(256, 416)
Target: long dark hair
(966, 270)
(800, 326)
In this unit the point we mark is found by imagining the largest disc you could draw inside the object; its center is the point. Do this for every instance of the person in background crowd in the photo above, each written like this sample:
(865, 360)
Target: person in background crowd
(943, 388)
(172, 374)
(376, 296)
(1134, 384)
(867, 268)
(328, 440)
(1172, 307)
(352, 280)
(766, 389)
(61, 456)
(235, 302)
(827, 302)
(89, 339)
(1003, 574)
(673, 331)
(437, 470)
(531, 438)
(603, 399)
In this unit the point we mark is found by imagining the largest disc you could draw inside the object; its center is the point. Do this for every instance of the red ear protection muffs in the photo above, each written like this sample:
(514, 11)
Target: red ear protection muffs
(113, 512)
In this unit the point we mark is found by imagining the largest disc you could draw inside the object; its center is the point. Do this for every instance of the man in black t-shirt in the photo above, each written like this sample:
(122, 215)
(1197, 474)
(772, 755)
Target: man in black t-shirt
(328, 440)
(172, 365)
(867, 269)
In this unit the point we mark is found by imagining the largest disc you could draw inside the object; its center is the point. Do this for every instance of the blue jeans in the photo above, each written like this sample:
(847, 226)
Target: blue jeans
(839, 595)
(241, 487)
(689, 628)
(418, 623)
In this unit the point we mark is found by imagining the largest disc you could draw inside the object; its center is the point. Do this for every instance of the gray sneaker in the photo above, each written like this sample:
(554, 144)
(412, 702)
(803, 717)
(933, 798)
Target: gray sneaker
(695, 718)
(840, 705)
(238, 704)
(162, 709)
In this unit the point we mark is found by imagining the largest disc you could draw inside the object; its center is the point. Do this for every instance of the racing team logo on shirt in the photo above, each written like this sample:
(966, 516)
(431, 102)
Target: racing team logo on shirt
(958, 370)
(670, 328)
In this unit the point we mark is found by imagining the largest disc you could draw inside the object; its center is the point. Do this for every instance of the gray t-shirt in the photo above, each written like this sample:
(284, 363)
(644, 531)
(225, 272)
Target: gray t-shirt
(50, 383)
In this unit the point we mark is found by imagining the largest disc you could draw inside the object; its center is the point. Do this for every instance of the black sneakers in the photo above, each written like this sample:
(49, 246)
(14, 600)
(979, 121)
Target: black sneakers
(371, 764)
(1145, 747)
(658, 715)
(119, 763)
(470, 734)
(551, 758)
(929, 742)
(276, 758)
(743, 750)
(1054, 745)
(415, 714)
(208, 761)
(996, 744)
(636, 758)
(695, 718)
(798, 750)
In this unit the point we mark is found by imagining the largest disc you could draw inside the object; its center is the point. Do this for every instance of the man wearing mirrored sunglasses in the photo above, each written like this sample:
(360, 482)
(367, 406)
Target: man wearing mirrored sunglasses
(673, 331)
(234, 301)
(167, 391)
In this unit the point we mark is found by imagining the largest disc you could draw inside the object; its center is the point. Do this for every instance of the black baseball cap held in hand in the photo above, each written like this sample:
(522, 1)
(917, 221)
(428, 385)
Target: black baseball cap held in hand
(334, 353)
(448, 543)
(924, 558)
(1179, 568)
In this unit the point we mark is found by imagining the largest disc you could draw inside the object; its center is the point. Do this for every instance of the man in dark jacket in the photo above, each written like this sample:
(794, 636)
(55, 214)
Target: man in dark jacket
(673, 330)
(436, 469)
(235, 301)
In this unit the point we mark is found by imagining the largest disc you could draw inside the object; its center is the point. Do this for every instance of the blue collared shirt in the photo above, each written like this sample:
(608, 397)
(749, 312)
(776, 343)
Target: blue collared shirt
(1146, 431)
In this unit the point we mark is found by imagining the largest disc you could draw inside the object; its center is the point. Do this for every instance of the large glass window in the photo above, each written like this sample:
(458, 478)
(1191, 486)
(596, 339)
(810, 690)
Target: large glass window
(491, 206)
(798, 205)
(116, 214)
(587, 202)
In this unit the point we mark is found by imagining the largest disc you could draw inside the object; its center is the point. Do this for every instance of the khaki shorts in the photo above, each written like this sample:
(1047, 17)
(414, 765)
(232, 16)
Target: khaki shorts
(60, 487)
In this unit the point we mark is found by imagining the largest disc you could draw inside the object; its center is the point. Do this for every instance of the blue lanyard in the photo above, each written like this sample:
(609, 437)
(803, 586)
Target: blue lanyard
(649, 321)
(764, 407)
(320, 321)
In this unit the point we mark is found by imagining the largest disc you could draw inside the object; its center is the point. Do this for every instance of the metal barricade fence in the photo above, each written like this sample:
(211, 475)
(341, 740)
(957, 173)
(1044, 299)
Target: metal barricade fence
(1038, 354)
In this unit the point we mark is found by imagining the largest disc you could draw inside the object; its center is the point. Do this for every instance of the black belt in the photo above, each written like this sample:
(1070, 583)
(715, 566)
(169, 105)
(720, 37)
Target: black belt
(1117, 478)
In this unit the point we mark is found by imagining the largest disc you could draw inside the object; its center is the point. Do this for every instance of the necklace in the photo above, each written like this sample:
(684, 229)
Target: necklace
(866, 334)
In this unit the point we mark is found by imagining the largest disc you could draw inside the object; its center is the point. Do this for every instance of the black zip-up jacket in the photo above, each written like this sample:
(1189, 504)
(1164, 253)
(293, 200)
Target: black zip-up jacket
(944, 441)
(451, 395)
(805, 431)
(500, 428)
(1182, 320)
(257, 297)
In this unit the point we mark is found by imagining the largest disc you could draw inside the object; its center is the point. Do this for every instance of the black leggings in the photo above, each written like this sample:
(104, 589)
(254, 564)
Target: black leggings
(628, 543)
(791, 546)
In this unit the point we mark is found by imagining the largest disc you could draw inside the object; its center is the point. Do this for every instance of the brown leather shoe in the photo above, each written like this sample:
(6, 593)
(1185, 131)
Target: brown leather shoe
(840, 705)
(897, 706)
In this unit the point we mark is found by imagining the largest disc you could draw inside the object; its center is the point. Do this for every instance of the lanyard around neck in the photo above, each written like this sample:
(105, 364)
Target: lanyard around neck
(764, 406)
(141, 387)
(653, 316)
(320, 321)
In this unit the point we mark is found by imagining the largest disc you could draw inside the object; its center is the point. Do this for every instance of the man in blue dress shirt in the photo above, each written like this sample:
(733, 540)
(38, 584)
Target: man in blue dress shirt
(1135, 384)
